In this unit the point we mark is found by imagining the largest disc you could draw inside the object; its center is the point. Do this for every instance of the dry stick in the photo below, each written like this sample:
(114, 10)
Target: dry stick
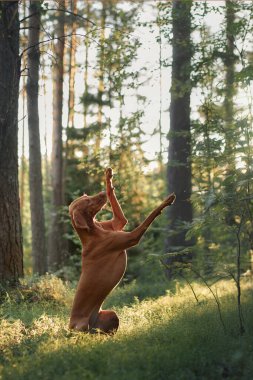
(214, 296)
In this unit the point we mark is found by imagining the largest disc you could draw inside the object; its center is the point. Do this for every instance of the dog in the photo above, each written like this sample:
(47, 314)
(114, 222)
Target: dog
(104, 256)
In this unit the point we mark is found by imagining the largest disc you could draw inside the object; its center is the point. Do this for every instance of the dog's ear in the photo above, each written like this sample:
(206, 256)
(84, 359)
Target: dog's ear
(80, 221)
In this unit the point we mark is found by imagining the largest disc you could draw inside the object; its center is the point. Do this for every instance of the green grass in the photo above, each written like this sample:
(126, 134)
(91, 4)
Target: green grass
(168, 337)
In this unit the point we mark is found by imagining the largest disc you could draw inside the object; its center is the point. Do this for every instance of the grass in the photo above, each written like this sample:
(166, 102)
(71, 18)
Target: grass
(168, 337)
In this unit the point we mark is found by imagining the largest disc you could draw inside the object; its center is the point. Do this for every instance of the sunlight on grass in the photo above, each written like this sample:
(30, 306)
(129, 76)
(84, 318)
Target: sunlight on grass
(170, 337)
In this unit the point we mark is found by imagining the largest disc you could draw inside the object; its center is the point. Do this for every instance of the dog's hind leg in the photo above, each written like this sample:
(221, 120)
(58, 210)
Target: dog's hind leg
(107, 321)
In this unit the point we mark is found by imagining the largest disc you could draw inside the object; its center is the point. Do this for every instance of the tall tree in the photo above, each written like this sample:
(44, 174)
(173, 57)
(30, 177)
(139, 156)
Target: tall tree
(179, 164)
(72, 68)
(55, 243)
(86, 63)
(35, 175)
(229, 109)
(22, 163)
(101, 89)
(229, 61)
(11, 252)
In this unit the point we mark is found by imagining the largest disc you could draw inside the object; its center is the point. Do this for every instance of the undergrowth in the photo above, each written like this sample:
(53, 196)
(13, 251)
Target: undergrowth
(164, 337)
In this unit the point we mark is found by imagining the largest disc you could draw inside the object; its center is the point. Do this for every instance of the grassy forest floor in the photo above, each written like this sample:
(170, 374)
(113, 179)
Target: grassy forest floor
(170, 336)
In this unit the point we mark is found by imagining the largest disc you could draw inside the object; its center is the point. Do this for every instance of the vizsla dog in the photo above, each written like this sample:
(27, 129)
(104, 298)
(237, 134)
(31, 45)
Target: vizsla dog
(103, 256)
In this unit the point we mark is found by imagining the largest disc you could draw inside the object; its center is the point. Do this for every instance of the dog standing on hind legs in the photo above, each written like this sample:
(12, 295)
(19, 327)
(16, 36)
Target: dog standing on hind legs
(104, 257)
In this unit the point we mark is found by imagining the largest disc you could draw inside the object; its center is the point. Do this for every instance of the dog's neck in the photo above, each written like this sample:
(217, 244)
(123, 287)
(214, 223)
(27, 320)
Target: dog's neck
(95, 229)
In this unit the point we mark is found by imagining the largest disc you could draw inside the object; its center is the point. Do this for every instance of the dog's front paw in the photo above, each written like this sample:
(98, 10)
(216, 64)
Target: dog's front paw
(108, 173)
(169, 200)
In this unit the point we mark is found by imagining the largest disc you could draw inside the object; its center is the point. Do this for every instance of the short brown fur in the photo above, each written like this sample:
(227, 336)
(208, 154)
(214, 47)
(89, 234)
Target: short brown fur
(104, 257)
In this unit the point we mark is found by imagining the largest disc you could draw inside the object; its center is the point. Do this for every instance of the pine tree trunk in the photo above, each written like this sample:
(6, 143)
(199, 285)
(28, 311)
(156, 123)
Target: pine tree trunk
(230, 128)
(86, 64)
(230, 60)
(22, 163)
(35, 174)
(72, 70)
(11, 252)
(179, 163)
(55, 244)
(100, 79)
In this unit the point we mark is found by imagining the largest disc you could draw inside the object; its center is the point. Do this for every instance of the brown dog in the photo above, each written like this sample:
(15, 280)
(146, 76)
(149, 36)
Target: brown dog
(103, 256)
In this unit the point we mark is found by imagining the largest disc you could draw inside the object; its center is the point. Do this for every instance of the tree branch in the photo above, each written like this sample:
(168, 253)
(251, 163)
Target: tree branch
(61, 10)
(56, 38)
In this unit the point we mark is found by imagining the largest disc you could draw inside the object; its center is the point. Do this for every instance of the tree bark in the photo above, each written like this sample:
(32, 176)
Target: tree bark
(11, 252)
(100, 78)
(229, 62)
(230, 128)
(72, 69)
(86, 64)
(55, 244)
(179, 163)
(23, 163)
(35, 173)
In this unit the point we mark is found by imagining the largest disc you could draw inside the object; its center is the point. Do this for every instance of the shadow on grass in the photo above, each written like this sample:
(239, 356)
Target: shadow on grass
(189, 346)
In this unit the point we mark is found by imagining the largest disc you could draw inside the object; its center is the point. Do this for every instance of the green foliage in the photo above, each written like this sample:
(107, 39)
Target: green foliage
(37, 289)
(221, 144)
(170, 337)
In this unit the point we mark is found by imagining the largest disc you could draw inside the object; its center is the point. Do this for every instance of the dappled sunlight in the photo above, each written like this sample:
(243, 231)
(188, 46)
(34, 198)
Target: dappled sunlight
(156, 330)
(151, 102)
(162, 336)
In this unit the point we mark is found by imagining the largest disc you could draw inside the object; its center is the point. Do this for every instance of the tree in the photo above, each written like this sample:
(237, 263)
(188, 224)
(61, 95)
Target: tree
(179, 163)
(11, 252)
(35, 175)
(229, 62)
(55, 244)
(86, 63)
(229, 109)
(221, 152)
(72, 68)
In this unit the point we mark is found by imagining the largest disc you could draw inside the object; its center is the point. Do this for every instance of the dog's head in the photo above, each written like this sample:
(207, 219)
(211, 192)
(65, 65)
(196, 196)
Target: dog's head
(83, 210)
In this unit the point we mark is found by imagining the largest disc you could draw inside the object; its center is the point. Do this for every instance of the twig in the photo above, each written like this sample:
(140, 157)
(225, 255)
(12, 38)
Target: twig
(214, 296)
(191, 287)
(55, 38)
(238, 278)
(184, 278)
(61, 10)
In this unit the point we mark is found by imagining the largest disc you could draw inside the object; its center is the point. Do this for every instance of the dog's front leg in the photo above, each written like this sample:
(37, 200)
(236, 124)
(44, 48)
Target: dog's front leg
(123, 240)
(119, 220)
(139, 231)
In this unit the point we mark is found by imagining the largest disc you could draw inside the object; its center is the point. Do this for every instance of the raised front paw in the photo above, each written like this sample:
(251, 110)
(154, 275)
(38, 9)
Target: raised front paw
(108, 173)
(169, 200)
(109, 185)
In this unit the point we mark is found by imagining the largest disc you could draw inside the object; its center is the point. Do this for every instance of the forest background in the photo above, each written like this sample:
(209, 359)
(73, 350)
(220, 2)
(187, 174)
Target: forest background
(161, 91)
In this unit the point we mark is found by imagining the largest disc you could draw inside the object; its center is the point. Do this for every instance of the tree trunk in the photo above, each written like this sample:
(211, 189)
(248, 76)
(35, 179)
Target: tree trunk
(100, 79)
(86, 64)
(179, 164)
(72, 69)
(230, 128)
(11, 252)
(230, 60)
(23, 163)
(55, 244)
(35, 174)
